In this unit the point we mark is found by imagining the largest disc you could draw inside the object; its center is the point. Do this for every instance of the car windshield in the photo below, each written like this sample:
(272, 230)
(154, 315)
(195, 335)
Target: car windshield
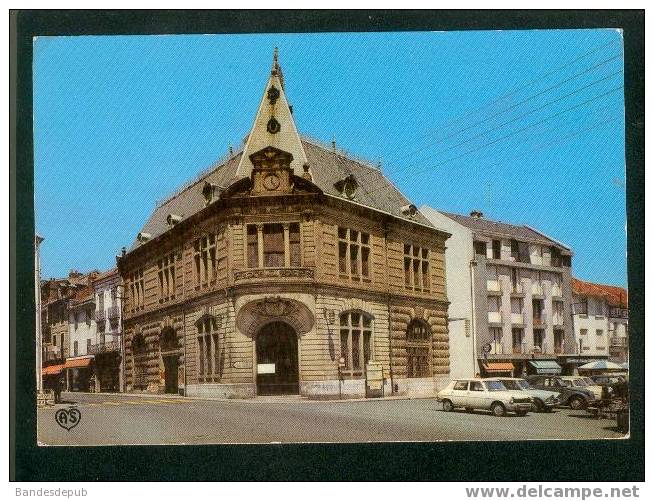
(589, 381)
(566, 383)
(510, 384)
(495, 386)
(523, 384)
(579, 382)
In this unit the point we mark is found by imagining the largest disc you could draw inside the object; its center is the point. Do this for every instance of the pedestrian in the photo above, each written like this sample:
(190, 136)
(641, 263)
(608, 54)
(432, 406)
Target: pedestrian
(58, 384)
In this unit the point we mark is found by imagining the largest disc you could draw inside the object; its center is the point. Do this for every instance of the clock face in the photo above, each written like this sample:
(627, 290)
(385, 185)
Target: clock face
(271, 182)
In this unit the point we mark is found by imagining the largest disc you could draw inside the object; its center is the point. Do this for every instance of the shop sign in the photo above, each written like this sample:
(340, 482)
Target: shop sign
(265, 368)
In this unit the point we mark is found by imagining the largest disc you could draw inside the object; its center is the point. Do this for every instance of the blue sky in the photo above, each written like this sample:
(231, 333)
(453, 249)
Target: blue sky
(527, 126)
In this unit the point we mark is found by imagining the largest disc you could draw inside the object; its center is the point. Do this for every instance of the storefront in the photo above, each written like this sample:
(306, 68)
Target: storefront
(79, 374)
(571, 364)
(492, 369)
(549, 367)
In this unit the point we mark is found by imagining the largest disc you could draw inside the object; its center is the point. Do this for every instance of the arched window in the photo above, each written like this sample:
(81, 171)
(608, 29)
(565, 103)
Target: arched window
(139, 353)
(418, 344)
(356, 341)
(168, 339)
(208, 349)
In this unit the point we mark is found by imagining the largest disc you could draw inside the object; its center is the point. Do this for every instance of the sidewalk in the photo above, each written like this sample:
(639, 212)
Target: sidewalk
(281, 399)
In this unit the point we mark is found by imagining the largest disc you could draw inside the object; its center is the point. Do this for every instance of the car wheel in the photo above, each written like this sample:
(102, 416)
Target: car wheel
(521, 413)
(498, 409)
(576, 403)
(469, 409)
(540, 406)
(447, 406)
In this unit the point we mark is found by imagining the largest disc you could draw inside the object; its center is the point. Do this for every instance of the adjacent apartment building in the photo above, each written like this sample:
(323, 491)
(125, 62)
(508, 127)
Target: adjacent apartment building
(82, 334)
(510, 295)
(288, 268)
(107, 347)
(601, 321)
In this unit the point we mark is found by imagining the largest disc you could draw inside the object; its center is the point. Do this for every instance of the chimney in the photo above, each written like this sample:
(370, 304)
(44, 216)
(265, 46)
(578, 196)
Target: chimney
(477, 214)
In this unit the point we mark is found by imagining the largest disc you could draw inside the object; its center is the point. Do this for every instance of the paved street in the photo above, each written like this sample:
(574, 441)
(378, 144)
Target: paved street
(134, 419)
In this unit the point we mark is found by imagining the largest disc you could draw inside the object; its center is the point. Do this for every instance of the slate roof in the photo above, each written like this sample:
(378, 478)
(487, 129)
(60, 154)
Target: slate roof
(517, 232)
(327, 167)
(615, 296)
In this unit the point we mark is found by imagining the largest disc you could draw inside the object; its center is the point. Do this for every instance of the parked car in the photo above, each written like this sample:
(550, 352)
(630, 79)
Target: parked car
(607, 379)
(485, 394)
(577, 397)
(544, 400)
(584, 381)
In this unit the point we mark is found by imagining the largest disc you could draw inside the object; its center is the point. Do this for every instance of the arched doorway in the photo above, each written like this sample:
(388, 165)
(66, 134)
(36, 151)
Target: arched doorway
(169, 347)
(277, 360)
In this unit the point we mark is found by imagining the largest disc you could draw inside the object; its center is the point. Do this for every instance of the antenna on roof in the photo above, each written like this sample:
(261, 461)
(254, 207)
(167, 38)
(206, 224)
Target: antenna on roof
(231, 150)
(334, 143)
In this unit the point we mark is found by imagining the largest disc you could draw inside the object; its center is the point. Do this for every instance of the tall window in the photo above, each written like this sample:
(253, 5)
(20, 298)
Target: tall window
(497, 249)
(539, 337)
(208, 350)
(204, 260)
(416, 268)
(140, 358)
(88, 346)
(273, 245)
(101, 301)
(137, 290)
(167, 271)
(496, 335)
(356, 334)
(418, 343)
(353, 254)
(517, 338)
(75, 348)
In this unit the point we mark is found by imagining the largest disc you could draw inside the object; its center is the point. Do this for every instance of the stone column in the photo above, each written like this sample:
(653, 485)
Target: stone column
(260, 243)
(287, 246)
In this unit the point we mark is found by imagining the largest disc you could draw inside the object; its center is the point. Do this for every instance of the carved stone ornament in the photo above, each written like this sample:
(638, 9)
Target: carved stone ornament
(273, 126)
(262, 273)
(273, 94)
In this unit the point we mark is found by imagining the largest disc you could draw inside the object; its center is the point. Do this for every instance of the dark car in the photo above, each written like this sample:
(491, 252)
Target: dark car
(608, 379)
(575, 396)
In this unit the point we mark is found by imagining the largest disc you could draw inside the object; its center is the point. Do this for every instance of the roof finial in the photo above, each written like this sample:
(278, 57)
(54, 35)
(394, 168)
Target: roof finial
(334, 143)
(275, 65)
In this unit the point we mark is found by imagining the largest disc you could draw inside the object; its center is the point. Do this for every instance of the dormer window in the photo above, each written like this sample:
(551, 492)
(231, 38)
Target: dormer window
(173, 219)
(210, 192)
(347, 187)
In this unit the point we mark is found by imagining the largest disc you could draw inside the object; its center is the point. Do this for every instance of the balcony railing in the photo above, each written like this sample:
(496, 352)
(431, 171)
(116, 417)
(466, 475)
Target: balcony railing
(493, 286)
(518, 318)
(113, 312)
(494, 317)
(517, 288)
(536, 289)
(557, 291)
(618, 312)
(619, 341)
(100, 315)
(98, 348)
(538, 321)
(518, 348)
(557, 319)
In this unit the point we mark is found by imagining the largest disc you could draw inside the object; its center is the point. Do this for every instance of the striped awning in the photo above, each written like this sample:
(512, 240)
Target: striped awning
(545, 366)
(76, 363)
(52, 370)
(498, 367)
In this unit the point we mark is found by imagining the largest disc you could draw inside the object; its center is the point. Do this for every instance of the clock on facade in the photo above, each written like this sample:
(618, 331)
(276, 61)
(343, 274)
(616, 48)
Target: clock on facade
(271, 182)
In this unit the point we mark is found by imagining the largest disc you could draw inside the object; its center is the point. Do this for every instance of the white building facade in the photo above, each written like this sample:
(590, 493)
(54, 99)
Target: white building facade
(511, 284)
(601, 321)
(107, 348)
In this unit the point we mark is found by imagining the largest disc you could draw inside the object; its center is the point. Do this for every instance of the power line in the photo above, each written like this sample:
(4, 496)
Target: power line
(528, 84)
(587, 70)
(534, 124)
(519, 117)
(528, 113)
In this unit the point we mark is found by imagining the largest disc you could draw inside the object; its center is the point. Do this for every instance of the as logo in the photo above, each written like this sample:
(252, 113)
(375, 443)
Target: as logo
(68, 418)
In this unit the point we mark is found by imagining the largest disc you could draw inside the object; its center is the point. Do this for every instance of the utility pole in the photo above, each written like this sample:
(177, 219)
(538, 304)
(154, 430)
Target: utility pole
(37, 290)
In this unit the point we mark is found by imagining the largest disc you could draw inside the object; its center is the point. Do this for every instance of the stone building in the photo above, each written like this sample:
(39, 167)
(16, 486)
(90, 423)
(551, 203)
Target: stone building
(512, 285)
(289, 268)
(601, 321)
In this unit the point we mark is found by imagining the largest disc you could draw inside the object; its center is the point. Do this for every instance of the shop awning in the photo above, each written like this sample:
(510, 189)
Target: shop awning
(52, 370)
(499, 367)
(545, 366)
(76, 363)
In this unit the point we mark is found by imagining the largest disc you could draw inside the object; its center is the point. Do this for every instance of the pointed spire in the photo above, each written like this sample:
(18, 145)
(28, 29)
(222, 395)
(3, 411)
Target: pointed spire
(273, 125)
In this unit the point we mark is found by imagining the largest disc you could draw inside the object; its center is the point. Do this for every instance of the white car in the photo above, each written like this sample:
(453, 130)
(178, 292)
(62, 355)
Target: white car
(487, 394)
(583, 382)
